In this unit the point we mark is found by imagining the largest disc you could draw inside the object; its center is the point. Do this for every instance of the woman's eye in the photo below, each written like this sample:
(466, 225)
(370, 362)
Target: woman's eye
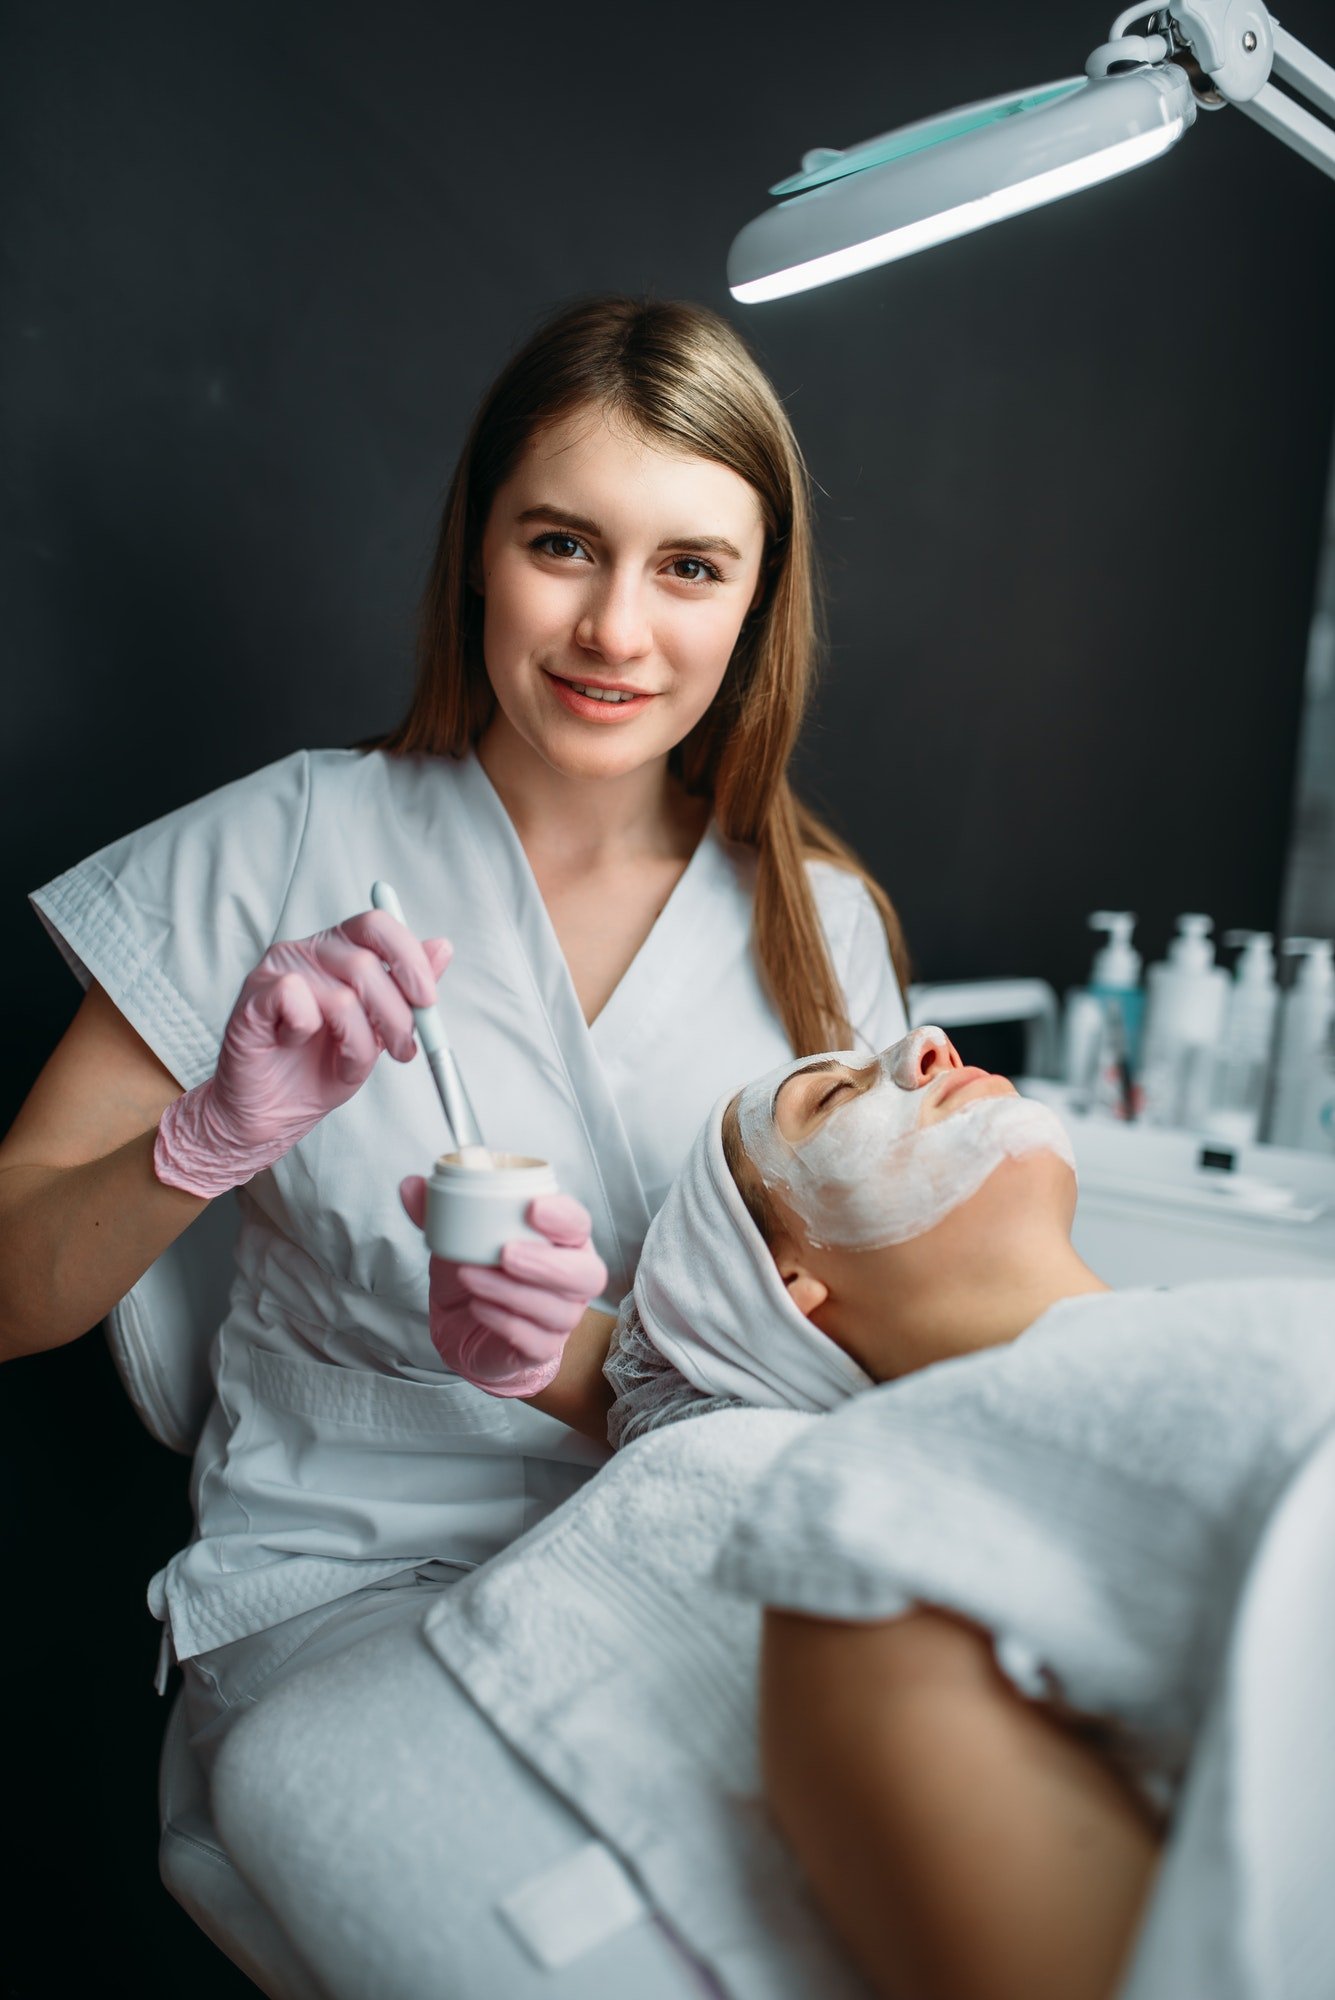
(566, 547)
(832, 1093)
(694, 569)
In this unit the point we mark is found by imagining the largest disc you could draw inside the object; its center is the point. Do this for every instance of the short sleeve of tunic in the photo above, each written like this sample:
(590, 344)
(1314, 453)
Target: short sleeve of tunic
(170, 919)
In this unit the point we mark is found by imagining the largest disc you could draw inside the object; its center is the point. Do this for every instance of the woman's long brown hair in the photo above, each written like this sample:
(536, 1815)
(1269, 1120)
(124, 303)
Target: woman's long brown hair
(682, 378)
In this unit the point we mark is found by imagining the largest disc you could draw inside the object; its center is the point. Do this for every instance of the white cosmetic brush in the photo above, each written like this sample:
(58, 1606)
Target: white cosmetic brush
(458, 1111)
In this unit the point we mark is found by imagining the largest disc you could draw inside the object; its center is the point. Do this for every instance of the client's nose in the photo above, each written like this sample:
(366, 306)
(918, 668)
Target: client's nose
(930, 1053)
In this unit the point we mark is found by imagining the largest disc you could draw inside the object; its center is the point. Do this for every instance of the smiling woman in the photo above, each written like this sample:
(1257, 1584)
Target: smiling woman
(588, 809)
(625, 573)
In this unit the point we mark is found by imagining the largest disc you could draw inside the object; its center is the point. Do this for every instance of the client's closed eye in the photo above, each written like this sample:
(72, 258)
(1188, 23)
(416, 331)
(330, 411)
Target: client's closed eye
(803, 1099)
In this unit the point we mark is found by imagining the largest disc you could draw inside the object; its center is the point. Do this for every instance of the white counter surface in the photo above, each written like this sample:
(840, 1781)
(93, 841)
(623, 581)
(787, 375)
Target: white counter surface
(1163, 1208)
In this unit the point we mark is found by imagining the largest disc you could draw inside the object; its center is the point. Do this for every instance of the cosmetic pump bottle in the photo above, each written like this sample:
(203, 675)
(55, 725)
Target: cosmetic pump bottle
(1103, 1023)
(1184, 1018)
(1241, 1072)
(1302, 1111)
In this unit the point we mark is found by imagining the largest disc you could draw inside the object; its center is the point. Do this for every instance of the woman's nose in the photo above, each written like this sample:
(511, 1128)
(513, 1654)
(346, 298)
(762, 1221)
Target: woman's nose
(930, 1053)
(615, 624)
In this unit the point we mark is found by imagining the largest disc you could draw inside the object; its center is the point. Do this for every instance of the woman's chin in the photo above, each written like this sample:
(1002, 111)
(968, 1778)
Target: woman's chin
(582, 753)
(600, 762)
(594, 753)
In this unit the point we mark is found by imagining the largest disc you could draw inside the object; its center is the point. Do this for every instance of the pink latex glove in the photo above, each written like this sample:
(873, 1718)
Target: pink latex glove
(505, 1330)
(302, 1039)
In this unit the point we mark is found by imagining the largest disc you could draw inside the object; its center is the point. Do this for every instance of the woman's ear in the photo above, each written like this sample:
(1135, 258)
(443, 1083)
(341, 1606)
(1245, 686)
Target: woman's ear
(807, 1292)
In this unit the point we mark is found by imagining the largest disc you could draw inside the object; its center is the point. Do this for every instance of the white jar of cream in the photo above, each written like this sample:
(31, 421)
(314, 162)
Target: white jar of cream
(474, 1206)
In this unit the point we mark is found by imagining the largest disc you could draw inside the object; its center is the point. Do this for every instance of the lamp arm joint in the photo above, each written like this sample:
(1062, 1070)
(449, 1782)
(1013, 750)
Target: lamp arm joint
(1239, 46)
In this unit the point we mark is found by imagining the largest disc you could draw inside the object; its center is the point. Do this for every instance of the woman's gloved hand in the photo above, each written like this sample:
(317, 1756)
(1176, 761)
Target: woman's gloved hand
(505, 1330)
(302, 1039)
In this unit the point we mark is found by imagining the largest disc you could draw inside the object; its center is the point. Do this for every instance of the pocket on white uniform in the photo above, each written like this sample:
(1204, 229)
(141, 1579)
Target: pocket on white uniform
(335, 1461)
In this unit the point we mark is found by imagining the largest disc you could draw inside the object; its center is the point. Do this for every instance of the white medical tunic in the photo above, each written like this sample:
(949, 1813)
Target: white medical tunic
(338, 1450)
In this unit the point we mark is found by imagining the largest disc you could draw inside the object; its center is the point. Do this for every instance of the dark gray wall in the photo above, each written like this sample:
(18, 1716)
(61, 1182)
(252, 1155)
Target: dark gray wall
(260, 262)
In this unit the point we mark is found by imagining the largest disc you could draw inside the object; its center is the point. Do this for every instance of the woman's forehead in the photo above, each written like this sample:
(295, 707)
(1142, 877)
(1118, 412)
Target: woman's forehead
(596, 460)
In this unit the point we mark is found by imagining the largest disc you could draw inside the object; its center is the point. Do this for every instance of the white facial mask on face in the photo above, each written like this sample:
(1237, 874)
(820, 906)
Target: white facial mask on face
(871, 1175)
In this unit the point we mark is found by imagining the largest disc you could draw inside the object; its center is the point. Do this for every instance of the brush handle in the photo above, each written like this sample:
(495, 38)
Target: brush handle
(440, 1058)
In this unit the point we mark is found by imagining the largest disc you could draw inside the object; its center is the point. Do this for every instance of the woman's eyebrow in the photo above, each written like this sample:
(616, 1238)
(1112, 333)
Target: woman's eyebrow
(545, 513)
(700, 545)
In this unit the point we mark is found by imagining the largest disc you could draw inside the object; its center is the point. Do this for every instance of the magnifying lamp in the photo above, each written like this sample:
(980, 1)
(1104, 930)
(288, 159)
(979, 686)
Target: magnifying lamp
(885, 198)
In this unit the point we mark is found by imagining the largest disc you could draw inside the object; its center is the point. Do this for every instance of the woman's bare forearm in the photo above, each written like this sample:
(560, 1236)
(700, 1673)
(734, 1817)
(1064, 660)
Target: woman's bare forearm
(73, 1240)
(580, 1395)
(964, 1843)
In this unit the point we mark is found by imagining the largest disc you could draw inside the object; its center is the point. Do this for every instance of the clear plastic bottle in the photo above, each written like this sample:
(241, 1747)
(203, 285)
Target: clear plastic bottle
(1241, 1070)
(1302, 1111)
(1185, 1002)
(1103, 1023)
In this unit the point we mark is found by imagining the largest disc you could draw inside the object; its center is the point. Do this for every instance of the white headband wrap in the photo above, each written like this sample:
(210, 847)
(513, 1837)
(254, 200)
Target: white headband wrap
(710, 1298)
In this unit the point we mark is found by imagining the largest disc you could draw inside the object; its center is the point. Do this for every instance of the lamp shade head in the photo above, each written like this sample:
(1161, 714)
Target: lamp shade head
(848, 211)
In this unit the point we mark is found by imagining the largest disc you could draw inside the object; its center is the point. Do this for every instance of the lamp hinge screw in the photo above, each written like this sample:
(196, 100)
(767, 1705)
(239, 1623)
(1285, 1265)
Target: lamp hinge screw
(1249, 41)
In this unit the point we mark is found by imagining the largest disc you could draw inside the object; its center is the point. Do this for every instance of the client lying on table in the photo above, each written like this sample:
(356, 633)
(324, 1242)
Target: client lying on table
(840, 1223)
(1003, 1588)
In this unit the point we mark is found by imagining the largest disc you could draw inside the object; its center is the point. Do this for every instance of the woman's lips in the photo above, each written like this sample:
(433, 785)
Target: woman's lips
(593, 710)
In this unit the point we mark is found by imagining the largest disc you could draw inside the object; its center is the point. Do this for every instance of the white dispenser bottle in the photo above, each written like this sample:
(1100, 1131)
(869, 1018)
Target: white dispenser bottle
(1241, 1069)
(1302, 1111)
(1103, 1022)
(1187, 995)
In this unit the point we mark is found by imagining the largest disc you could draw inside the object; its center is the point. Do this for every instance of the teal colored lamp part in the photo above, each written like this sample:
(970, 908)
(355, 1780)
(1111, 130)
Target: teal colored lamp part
(826, 163)
(849, 209)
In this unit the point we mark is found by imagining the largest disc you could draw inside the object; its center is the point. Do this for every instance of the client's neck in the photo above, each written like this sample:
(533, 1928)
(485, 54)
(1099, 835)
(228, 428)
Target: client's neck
(1009, 1301)
(961, 1306)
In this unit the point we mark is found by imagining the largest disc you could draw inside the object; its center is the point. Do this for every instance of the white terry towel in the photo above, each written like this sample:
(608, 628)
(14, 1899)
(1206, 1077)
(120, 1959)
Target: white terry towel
(1137, 1498)
(1242, 1909)
(1091, 1493)
(602, 1652)
(710, 1298)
